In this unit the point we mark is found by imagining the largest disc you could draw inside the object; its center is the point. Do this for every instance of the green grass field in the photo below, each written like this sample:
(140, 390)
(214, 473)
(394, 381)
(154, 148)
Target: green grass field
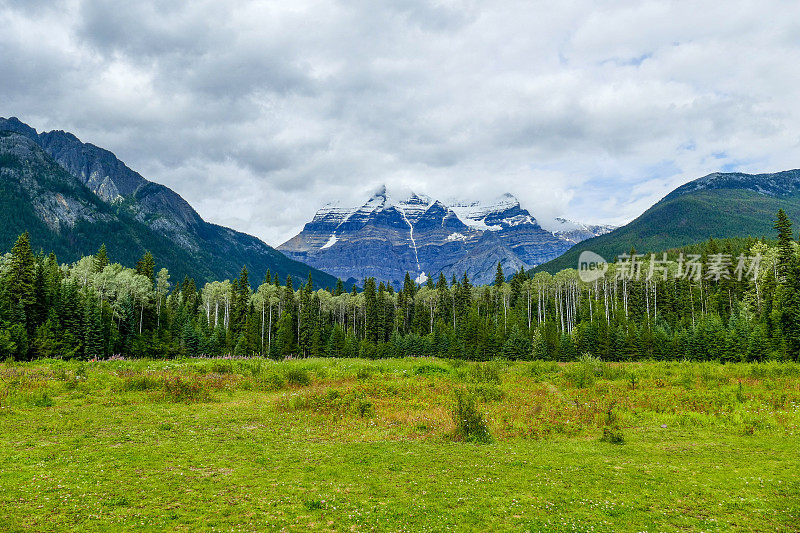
(331, 445)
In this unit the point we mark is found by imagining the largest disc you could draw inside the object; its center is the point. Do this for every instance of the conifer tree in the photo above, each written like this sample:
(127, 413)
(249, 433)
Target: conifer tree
(146, 266)
(371, 310)
(339, 288)
(284, 338)
(499, 278)
(101, 259)
(21, 274)
(785, 249)
(93, 331)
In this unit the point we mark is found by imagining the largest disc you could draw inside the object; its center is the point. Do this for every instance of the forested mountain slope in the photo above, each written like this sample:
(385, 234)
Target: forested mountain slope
(123, 210)
(720, 205)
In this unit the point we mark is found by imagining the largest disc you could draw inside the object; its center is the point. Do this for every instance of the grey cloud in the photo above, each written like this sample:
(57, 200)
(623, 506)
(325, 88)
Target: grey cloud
(259, 113)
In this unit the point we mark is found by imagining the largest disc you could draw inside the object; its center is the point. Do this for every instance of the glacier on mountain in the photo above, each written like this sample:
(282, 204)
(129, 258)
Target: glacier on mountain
(387, 236)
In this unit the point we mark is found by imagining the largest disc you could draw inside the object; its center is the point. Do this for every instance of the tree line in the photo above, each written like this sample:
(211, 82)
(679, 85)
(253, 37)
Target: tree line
(95, 308)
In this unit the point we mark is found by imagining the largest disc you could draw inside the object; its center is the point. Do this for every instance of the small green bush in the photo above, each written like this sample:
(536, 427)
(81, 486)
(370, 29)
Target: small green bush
(272, 381)
(314, 505)
(297, 376)
(487, 392)
(41, 399)
(141, 382)
(181, 389)
(612, 432)
(484, 373)
(470, 423)
(429, 369)
(364, 373)
(364, 408)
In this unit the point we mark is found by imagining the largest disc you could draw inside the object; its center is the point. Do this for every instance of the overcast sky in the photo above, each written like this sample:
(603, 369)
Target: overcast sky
(258, 113)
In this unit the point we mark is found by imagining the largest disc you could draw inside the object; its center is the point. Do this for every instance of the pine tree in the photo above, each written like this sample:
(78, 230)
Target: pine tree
(339, 288)
(146, 266)
(284, 338)
(785, 249)
(101, 259)
(371, 310)
(790, 308)
(21, 273)
(517, 346)
(93, 330)
(499, 278)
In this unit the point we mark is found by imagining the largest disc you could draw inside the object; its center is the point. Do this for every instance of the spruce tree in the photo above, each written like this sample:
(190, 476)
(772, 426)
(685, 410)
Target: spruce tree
(101, 259)
(93, 330)
(146, 266)
(785, 249)
(284, 339)
(499, 278)
(371, 310)
(22, 272)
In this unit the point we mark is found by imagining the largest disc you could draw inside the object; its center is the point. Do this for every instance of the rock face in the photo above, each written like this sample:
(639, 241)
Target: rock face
(386, 238)
(54, 174)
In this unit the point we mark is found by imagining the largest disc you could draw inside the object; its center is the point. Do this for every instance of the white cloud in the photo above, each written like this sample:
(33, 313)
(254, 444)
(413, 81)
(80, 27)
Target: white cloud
(260, 112)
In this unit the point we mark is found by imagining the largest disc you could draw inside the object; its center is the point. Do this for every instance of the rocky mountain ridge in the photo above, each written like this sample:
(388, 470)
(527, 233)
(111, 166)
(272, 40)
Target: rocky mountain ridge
(149, 215)
(386, 237)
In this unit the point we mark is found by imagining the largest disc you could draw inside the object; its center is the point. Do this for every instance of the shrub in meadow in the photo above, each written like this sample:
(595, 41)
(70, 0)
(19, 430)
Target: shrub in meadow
(470, 423)
(364, 408)
(612, 433)
(182, 389)
(364, 373)
(484, 373)
(141, 382)
(487, 392)
(297, 376)
(428, 369)
(41, 399)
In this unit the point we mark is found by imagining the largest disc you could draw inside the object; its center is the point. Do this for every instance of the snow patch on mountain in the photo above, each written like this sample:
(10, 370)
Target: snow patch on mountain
(456, 236)
(331, 241)
(574, 232)
(474, 214)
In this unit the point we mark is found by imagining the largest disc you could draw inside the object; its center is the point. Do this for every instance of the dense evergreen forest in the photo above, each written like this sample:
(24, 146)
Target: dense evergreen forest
(744, 306)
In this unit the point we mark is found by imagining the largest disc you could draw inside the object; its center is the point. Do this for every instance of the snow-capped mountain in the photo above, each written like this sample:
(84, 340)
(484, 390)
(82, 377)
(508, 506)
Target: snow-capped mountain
(387, 237)
(575, 232)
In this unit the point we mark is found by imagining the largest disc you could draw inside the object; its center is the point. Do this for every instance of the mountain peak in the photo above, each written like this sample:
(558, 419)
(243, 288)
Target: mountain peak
(404, 231)
(16, 125)
(771, 184)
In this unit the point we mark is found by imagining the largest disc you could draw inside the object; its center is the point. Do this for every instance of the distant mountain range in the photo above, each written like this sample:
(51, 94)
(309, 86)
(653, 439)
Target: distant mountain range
(719, 205)
(387, 237)
(74, 196)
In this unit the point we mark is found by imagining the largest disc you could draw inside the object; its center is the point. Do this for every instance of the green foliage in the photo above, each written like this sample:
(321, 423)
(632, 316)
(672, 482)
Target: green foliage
(95, 308)
(612, 433)
(182, 389)
(470, 425)
(687, 218)
(428, 369)
(254, 437)
(297, 376)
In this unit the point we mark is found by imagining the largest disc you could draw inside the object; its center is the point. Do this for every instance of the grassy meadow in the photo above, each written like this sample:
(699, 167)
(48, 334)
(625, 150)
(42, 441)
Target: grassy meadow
(355, 445)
